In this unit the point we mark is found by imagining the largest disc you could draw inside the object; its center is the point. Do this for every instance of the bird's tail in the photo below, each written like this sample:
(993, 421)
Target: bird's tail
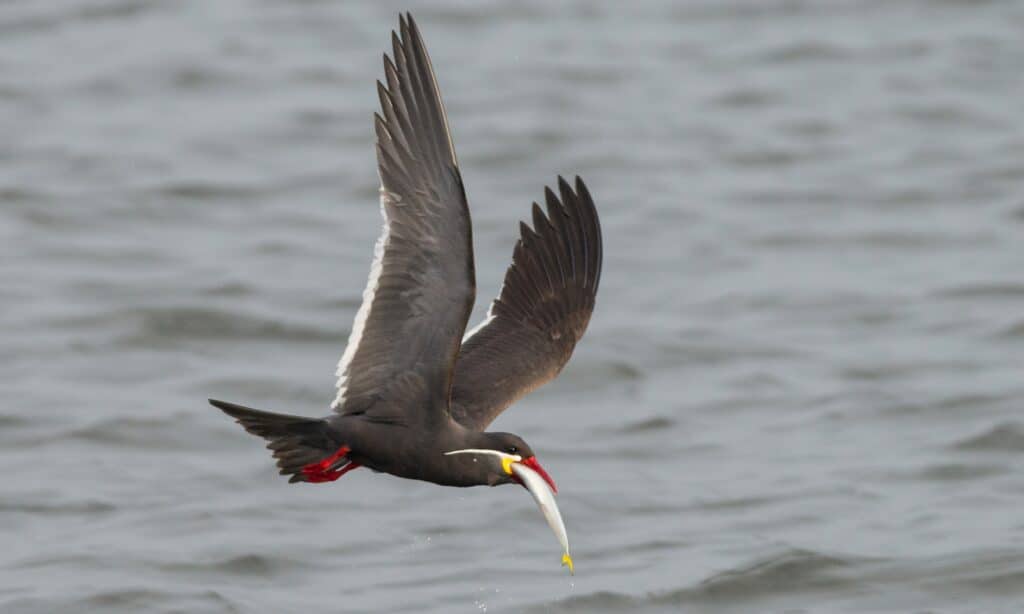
(296, 442)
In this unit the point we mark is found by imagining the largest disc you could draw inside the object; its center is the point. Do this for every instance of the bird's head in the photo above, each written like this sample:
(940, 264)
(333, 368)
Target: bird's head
(500, 451)
(507, 458)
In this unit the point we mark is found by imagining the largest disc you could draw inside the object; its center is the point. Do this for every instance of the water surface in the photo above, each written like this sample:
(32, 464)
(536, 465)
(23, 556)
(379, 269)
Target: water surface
(801, 389)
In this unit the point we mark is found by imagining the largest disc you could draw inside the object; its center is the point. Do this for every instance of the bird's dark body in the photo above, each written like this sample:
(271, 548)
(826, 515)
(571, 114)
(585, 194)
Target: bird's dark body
(412, 387)
(412, 451)
(416, 453)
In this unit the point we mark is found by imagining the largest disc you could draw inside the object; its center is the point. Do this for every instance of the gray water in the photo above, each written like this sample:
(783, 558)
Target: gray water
(801, 389)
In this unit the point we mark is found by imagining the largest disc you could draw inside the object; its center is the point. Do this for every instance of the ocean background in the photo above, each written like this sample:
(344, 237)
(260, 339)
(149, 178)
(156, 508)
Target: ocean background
(801, 390)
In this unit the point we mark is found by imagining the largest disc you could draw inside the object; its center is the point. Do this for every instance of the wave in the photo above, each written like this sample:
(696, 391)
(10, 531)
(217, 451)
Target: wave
(241, 565)
(156, 324)
(1003, 437)
(985, 290)
(799, 579)
(788, 572)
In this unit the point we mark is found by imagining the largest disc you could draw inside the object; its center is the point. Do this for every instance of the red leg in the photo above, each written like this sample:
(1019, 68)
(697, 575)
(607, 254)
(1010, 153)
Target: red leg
(321, 471)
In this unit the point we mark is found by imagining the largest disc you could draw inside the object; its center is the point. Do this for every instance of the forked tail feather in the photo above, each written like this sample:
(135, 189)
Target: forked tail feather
(305, 448)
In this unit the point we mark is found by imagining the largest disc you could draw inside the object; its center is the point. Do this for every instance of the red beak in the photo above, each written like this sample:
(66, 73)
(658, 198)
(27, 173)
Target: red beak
(532, 463)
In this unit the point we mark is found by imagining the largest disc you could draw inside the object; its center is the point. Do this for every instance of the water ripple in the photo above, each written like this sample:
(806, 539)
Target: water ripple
(1003, 437)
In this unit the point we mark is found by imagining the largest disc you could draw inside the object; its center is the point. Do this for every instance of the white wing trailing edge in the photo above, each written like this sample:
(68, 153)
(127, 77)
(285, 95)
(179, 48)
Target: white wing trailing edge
(487, 320)
(364, 309)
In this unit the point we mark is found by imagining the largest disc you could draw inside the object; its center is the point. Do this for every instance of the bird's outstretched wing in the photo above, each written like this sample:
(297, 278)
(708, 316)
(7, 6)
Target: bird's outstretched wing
(401, 352)
(542, 311)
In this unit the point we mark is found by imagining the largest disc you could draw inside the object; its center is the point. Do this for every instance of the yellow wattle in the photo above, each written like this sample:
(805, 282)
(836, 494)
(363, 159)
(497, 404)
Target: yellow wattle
(506, 464)
(567, 560)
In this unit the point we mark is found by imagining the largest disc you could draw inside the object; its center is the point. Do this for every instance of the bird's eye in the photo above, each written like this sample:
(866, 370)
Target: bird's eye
(513, 450)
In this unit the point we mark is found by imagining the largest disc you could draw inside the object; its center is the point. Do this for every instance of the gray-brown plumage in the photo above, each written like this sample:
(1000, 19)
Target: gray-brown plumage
(409, 338)
(411, 389)
(542, 311)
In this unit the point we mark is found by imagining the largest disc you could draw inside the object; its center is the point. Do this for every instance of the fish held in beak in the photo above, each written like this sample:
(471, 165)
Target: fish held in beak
(536, 481)
(529, 473)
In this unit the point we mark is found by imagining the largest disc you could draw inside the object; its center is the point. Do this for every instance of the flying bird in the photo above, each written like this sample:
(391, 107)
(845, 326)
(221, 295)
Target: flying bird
(416, 390)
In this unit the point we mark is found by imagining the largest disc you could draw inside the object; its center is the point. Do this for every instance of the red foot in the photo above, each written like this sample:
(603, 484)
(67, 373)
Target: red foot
(324, 470)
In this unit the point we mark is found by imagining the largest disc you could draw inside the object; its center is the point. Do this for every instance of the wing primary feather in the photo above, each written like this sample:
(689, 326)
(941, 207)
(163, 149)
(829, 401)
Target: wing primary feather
(397, 99)
(424, 58)
(401, 88)
(412, 78)
(392, 122)
(573, 241)
(569, 200)
(557, 215)
(594, 226)
(552, 245)
(531, 265)
(424, 100)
